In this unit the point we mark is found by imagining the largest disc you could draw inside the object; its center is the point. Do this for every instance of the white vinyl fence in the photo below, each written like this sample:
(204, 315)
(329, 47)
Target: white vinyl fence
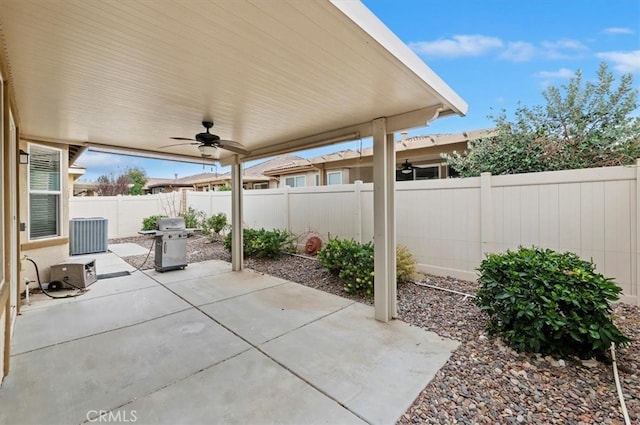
(450, 224)
(124, 213)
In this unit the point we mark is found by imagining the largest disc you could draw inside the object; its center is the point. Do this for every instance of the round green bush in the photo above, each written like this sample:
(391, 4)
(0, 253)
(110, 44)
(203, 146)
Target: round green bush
(261, 243)
(149, 223)
(353, 263)
(542, 301)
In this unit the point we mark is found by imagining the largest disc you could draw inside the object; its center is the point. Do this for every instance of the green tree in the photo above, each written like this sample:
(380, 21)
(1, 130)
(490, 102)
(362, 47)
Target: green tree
(137, 179)
(583, 125)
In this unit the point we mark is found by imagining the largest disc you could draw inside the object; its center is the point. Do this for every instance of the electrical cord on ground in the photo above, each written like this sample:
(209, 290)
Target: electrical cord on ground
(147, 257)
(623, 405)
(442, 289)
(47, 293)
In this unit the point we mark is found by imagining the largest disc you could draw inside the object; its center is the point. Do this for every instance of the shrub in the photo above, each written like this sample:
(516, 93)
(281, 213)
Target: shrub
(405, 264)
(215, 224)
(542, 301)
(353, 263)
(149, 223)
(192, 218)
(264, 243)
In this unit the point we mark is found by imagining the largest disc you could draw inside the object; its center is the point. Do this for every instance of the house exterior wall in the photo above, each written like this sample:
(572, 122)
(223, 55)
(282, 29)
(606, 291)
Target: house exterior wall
(310, 178)
(450, 224)
(9, 201)
(364, 174)
(45, 252)
(3, 338)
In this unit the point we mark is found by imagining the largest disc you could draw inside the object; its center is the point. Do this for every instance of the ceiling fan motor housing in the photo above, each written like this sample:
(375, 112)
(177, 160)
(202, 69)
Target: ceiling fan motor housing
(207, 138)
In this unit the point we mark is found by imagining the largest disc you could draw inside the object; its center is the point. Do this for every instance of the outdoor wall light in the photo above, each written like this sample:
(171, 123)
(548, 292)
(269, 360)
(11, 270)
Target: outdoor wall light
(24, 157)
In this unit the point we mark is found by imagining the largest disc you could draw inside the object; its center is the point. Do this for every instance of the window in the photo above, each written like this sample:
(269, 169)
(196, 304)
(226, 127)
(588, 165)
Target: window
(316, 178)
(334, 177)
(295, 181)
(427, 173)
(44, 192)
(261, 185)
(419, 173)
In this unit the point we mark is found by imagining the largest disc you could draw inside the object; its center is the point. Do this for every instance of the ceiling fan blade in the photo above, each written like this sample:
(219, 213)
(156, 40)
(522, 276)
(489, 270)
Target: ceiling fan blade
(178, 144)
(182, 138)
(232, 146)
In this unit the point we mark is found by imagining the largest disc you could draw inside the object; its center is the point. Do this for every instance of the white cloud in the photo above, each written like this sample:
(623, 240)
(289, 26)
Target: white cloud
(458, 45)
(548, 77)
(515, 51)
(561, 49)
(625, 62)
(105, 164)
(561, 74)
(519, 51)
(618, 30)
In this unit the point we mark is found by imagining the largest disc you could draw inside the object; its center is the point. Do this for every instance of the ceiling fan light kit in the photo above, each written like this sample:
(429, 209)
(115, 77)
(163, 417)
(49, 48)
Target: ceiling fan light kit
(407, 168)
(209, 151)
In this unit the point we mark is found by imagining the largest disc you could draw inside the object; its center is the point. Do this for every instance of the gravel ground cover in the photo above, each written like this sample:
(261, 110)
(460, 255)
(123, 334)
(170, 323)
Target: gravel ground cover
(484, 382)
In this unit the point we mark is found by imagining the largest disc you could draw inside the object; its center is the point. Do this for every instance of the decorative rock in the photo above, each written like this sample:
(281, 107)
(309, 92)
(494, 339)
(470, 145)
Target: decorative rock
(591, 363)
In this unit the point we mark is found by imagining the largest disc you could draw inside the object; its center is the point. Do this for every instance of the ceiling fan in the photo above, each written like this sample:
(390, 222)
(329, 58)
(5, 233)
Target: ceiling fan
(210, 144)
(407, 167)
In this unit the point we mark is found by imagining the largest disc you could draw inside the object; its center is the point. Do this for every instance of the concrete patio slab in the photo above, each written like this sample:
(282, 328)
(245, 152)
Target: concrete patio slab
(213, 346)
(106, 262)
(208, 289)
(68, 383)
(192, 271)
(374, 369)
(101, 288)
(127, 249)
(247, 389)
(263, 315)
(64, 322)
(116, 285)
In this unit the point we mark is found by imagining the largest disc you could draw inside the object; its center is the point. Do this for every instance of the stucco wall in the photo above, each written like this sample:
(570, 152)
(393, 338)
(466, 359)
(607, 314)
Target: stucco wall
(45, 252)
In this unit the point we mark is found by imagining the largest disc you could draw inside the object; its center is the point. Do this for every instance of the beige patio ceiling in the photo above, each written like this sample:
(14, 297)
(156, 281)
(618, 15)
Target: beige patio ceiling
(274, 75)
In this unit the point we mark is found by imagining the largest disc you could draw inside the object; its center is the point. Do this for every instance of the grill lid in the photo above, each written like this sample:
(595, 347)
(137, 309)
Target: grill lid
(170, 223)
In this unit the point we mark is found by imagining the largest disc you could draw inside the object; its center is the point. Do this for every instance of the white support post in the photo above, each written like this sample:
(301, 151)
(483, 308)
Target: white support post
(384, 222)
(237, 260)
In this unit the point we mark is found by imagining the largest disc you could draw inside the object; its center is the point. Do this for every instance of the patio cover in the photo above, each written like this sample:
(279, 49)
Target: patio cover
(277, 76)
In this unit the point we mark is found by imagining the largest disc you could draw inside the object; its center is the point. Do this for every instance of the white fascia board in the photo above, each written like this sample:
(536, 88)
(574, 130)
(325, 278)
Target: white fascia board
(365, 19)
(118, 150)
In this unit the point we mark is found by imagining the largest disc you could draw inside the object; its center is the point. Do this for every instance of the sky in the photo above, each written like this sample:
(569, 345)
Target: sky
(495, 54)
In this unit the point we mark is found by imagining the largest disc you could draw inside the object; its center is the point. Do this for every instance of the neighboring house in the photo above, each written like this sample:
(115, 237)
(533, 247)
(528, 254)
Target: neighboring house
(417, 158)
(85, 189)
(252, 178)
(75, 172)
(155, 185)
